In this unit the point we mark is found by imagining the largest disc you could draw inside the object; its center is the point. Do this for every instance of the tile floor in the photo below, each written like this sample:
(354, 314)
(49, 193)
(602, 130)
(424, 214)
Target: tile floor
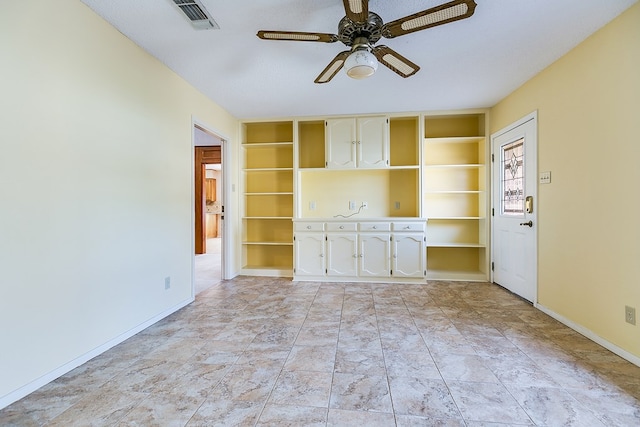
(208, 266)
(270, 352)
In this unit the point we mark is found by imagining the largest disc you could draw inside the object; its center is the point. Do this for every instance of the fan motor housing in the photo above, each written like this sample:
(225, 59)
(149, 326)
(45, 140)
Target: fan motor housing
(349, 30)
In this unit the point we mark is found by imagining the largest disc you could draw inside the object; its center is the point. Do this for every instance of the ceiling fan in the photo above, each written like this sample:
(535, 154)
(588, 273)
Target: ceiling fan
(361, 29)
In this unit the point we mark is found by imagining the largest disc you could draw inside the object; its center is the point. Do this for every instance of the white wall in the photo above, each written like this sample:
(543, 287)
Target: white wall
(96, 164)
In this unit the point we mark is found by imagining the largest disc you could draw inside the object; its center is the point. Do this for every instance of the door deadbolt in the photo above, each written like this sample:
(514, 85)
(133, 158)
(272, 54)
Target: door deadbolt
(528, 204)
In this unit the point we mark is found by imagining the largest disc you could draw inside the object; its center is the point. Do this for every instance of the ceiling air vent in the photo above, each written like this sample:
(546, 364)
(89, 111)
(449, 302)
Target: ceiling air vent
(197, 14)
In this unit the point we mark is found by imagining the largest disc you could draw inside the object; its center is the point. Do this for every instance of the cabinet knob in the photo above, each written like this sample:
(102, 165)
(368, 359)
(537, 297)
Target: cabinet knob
(342, 227)
(375, 227)
(321, 255)
(308, 227)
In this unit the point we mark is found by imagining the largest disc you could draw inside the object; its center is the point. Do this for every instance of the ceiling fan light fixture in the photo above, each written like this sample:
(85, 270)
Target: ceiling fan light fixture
(360, 30)
(361, 64)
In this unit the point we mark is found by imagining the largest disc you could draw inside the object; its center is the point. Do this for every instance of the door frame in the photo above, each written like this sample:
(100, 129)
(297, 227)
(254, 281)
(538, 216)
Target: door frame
(226, 238)
(495, 187)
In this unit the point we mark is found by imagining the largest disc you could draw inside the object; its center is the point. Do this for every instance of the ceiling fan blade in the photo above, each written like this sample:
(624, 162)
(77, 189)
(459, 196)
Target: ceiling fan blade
(443, 14)
(357, 10)
(297, 36)
(332, 69)
(394, 61)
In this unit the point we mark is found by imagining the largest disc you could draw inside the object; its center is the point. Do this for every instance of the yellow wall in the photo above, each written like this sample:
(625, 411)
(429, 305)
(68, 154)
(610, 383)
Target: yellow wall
(380, 188)
(588, 106)
(95, 183)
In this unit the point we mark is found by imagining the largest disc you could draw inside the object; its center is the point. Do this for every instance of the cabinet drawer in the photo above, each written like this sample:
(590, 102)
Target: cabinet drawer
(341, 226)
(408, 226)
(308, 226)
(374, 226)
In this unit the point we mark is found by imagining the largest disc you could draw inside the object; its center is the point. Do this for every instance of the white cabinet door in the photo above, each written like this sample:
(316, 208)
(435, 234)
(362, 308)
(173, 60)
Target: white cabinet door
(342, 259)
(361, 142)
(372, 142)
(408, 257)
(309, 254)
(374, 255)
(340, 143)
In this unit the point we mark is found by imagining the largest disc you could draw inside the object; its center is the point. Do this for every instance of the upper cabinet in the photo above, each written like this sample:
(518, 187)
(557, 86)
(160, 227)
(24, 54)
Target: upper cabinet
(364, 142)
(336, 174)
(361, 142)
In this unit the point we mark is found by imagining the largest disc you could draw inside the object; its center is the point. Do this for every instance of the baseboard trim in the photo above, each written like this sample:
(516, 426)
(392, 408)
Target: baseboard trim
(29, 388)
(591, 335)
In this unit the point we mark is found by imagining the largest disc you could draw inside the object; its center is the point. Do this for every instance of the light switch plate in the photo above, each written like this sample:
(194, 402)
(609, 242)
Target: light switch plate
(545, 177)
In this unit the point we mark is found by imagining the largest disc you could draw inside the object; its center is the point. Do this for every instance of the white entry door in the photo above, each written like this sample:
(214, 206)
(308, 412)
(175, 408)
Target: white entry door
(515, 207)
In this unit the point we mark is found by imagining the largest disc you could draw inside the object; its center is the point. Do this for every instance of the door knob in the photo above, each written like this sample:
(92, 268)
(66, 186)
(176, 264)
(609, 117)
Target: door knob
(530, 223)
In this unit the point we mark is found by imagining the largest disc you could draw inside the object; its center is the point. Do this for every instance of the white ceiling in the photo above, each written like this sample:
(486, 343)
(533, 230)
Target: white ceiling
(470, 63)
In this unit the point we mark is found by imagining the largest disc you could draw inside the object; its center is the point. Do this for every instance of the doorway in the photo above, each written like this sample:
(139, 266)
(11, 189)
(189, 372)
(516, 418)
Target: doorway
(514, 229)
(208, 161)
(208, 209)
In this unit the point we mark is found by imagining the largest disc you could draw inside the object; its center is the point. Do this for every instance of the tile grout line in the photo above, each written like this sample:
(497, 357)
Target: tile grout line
(287, 358)
(335, 356)
(384, 359)
(464, 420)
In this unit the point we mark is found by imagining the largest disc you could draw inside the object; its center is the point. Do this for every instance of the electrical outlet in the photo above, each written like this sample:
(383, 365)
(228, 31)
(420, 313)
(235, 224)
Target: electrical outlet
(352, 205)
(630, 314)
(397, 205)
(365, 205)
(167, 282)
(312, 206)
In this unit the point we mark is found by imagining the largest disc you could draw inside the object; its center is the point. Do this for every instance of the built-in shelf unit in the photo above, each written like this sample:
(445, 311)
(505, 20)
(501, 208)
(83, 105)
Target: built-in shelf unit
(267, 239)
(426, 167)
(455, 196)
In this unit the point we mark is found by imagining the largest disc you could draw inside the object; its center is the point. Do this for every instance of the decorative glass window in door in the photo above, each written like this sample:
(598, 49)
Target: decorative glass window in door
(513, 178)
